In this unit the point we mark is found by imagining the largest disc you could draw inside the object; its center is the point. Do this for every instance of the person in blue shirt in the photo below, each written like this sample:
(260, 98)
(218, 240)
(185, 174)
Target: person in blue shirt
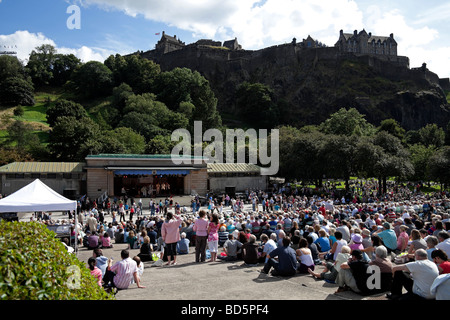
(323, 241)
(287, 263)
(388, 237)
(183, 244)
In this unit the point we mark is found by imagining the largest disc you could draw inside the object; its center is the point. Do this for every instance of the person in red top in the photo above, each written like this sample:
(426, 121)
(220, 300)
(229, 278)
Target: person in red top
(441, 259)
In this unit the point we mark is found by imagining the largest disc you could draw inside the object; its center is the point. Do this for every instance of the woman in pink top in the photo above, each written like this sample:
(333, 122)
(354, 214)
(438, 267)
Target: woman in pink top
(403, 238)
(170, 232)
(201, 236)
(213, 236)
(95, 271)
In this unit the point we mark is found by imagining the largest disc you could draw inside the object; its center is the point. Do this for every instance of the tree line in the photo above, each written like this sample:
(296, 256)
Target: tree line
(346, 145)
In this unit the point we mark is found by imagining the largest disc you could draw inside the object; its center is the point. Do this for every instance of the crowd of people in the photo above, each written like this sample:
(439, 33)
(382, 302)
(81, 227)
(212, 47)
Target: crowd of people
(367, 244)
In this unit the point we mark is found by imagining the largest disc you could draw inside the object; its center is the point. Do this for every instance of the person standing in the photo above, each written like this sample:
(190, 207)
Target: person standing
(201, 236)
(171, 235)
(213, 236)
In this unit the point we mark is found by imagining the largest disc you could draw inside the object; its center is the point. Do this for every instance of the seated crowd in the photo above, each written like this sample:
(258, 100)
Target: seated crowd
(366, 247)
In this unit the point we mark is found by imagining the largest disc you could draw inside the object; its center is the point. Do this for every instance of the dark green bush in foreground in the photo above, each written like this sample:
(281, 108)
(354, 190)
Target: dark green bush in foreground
(36, 266)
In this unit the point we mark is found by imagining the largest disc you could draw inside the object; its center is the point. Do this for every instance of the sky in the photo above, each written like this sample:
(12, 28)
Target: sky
(99, 28)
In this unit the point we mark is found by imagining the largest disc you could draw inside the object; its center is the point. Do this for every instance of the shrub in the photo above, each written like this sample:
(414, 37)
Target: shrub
(35, 265)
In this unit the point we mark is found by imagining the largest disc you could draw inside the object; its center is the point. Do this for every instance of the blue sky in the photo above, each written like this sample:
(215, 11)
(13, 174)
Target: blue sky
(125, 26)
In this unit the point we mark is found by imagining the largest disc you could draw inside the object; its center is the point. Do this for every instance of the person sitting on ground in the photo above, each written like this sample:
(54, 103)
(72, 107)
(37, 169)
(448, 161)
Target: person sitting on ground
(268, 246)
(145, 251)
(416, 277)
(132, 240)
(183, 244)
(96, 272)
(388, 237)
(356, 243)
(353, 274)
(441, 260)
(314, 251)
(385, 269)
(304, 256)
(286, 265)
(402, 239)
(102, 261)
(444, 242)
(250, 251)
(335, 249)
(93, 241)
(431, 241)
(230, 248)
(122, 272)
(140, 268)
(323, 241)
(331, 269)
(417, 242)
(119, 235)
(295, 239)
(223, 235)
(106, 241)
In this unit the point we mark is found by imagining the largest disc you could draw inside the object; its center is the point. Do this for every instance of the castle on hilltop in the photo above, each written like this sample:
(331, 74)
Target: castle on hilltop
(366, 43)
(169, 44)
(355, 43)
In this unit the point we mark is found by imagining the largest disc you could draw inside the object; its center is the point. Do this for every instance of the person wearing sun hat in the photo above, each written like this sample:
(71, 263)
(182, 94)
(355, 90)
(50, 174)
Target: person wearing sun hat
(387, 235)
(356, 242)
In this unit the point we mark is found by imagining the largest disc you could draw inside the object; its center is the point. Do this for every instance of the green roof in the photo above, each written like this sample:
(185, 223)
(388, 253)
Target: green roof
(140, 156)
(38, 167)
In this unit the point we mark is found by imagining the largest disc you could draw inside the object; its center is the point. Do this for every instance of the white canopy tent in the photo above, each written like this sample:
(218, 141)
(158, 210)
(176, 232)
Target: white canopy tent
(37, 196)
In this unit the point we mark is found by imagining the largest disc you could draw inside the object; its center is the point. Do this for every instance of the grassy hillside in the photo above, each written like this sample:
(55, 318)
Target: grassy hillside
(36, 115)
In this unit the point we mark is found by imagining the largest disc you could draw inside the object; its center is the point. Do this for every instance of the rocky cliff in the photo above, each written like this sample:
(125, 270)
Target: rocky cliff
(310, 84)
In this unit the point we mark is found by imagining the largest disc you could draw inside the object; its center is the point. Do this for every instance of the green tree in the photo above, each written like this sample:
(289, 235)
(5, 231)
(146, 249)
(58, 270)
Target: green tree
(40, 63)
(11, 67)
(72, 140)
(133, 142)
(160, 144)
(184, 85)
(395, 161)
(16, 91)
(366, 156)
(347, 122)
(149, 117)
(91, 80)
(393, 127)
(138, 72)
(338, 159)
(62, 68)
(439, 166)
(420, 156)
(432, 135)
(64, 108)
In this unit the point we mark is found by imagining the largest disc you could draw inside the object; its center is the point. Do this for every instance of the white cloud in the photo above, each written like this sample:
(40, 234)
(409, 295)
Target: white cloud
(256, 23)
(27, 42)
(417, 43)
(261, 23)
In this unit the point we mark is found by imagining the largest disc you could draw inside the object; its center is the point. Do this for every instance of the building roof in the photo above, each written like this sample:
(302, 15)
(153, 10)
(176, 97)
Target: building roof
(141, 156)
(233, 167)
(42, 167)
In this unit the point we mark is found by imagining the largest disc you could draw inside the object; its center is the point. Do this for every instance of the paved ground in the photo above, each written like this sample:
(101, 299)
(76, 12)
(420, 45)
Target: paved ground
(190, 281)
